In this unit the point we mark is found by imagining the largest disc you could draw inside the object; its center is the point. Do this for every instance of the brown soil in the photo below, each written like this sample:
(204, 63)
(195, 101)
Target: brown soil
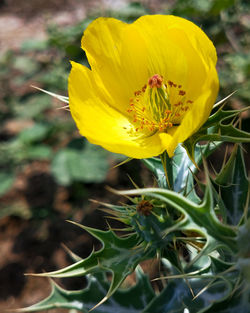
(34, 245)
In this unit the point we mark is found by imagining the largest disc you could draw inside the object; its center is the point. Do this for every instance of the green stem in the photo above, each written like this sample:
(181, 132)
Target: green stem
(168, 169)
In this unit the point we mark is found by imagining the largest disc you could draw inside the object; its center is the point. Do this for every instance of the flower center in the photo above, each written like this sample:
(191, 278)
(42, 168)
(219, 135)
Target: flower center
(159, 105)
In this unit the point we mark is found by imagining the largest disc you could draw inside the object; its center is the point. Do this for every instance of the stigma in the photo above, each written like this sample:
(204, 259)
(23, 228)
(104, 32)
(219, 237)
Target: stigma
(158, 106)
(155, 81)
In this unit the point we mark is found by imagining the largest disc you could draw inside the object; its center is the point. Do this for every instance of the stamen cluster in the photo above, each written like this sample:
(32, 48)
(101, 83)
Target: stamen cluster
(159, 105)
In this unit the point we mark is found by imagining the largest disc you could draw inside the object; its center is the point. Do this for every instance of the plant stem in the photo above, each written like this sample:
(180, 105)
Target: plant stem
(168, 169)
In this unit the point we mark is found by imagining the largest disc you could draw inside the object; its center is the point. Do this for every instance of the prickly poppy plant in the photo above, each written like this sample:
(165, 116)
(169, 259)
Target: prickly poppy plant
(151, 85)
(149, 95)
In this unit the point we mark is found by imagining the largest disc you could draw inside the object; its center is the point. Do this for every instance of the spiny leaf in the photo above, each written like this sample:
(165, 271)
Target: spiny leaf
(234, 186)
(155, 165)
(220, 116)
(183, 169)
(176, 296)
(238, 302)
(84, 300)
(119, 256)
(200, 218)
(218, 128)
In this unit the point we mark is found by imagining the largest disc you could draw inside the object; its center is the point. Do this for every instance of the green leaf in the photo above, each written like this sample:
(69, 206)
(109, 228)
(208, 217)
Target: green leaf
(36, 133)
(234, 186)
(196, 292)
(132, 299)
(170, 299)
(38, 152)
(119, 256)
(177, 296)
(243, 262)
(25, 64)
(238, 303)
(34, 45)
(6, 182)
(80, 162)
(60, 167)
(200, 218)
(155, 165)
(217, 128)
(33, 106)
(219, 5)
(183, 169)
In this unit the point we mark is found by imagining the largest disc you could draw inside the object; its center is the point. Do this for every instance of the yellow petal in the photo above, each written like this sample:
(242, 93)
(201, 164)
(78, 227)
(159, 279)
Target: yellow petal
(177, 49)
(101, 123)
(198, 113)
(116, 53)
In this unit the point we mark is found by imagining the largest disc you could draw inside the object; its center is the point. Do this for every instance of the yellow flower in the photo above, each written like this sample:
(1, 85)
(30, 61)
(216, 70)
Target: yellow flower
(151, 85)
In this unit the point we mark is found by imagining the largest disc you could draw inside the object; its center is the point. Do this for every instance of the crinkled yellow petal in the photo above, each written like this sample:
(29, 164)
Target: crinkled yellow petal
(197, 115)
(116, 53)
(126, 55)
(178, 50)
(100, 123)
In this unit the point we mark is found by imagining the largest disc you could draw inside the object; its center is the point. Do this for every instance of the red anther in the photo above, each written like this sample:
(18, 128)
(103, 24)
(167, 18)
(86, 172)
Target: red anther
(168, 112)
(179, 86)
(178, 104)
(155, 81)
(170, 83)
(190, 101)
(137, 93)
(182, 92)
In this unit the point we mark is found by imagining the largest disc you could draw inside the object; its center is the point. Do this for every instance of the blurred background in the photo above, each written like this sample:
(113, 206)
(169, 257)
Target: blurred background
(47, 172)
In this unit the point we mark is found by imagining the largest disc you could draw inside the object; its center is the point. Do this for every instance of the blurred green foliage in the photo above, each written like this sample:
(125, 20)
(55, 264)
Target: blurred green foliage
(32, 127)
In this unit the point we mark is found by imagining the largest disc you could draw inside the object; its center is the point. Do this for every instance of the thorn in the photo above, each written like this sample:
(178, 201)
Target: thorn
(64, 108)
(224, 100)
(123, 162)
(110, 211)
(120, 193)
(133, 183)
(98, 304)
(61, 98)
(204, 289)
(74, 256)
